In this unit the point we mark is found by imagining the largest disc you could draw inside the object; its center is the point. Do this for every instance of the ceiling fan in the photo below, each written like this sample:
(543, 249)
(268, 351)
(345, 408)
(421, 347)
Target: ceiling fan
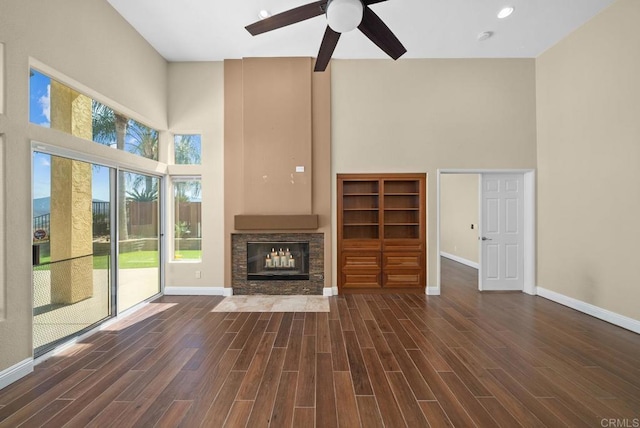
(342, 16)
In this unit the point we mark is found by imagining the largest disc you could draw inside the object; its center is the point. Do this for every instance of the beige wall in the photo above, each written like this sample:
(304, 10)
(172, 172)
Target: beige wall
(459, 208)
(2, 82)
(196, 92)
(588, 99)
(276, 135)
(88, 45)
(423, 115)
(3, 306)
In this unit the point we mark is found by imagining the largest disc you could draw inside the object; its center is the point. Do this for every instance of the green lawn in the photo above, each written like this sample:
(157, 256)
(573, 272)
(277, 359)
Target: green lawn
(134, 259)
(131, 260)
(137, 259)
(187, 255)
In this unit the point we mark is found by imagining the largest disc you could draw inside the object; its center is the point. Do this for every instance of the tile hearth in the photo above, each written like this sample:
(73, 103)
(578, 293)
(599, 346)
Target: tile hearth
(261, 303)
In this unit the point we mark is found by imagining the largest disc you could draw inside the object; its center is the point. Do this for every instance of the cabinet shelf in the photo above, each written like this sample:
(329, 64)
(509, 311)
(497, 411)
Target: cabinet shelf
(401, 194)
(346, 195)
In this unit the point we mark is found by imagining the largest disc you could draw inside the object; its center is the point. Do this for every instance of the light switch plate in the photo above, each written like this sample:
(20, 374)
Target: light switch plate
(300, 169)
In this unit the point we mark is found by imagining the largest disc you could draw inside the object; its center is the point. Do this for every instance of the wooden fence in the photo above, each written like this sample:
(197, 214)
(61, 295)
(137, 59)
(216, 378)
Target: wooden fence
(142, 218)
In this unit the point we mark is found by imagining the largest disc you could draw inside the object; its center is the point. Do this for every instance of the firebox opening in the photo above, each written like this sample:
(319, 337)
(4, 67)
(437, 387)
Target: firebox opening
(268, 261)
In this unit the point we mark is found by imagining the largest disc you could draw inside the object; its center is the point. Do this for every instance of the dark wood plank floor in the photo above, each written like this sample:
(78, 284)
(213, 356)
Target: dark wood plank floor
(462, 359)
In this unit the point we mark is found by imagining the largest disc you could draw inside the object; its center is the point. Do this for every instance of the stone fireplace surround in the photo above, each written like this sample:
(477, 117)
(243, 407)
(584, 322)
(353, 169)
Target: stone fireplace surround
(242, 286)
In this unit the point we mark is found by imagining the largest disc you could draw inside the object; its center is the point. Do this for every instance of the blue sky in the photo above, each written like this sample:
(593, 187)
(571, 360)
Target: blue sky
(39, 99)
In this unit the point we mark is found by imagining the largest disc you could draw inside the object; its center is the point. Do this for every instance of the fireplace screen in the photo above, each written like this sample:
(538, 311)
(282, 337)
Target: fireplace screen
(268, 261)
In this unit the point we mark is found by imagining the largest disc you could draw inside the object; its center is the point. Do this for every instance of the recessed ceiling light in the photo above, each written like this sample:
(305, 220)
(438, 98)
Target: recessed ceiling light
(263, 14)
(484, 35)
(505, 11)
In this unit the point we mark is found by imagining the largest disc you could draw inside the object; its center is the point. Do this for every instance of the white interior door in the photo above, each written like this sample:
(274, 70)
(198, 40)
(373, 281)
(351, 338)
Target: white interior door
(502, 232)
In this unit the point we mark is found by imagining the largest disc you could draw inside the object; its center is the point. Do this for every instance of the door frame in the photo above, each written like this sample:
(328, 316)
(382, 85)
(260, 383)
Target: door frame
(529, 253)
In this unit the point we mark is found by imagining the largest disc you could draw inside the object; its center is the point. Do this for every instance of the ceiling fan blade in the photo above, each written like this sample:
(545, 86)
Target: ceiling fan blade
(377, 31)
(329, 42)
(288, 17)
(368, 2)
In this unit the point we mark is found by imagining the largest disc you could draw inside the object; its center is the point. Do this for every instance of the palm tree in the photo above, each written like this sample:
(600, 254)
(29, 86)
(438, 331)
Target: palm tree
(186, 152)
(186, 191)
(143, 141)
(143, 196)
(140, 139)
(107, 125)
(129, 135)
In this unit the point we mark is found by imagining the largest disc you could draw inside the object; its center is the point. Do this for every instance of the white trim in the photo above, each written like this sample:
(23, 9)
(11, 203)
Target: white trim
(16, 372)
(483, 171)
(459, 259)
(529, 245)
(198, 291)
(120, 161)
(330, 291)
(435, 290)
(589, 309)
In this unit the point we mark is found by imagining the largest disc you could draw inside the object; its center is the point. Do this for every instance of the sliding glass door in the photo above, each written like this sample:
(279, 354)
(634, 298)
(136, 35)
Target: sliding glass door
(71, 248)
(79, 208)
(138, 238)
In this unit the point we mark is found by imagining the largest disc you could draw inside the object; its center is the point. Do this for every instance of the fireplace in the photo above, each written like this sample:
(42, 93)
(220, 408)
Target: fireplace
(277, 261)
(300, 272)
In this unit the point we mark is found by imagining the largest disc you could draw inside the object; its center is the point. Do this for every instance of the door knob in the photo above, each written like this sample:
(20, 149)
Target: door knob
(484, 238)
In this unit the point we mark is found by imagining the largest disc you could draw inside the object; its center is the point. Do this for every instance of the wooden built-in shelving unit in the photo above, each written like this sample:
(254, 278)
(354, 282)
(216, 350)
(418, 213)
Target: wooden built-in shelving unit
(381, 232)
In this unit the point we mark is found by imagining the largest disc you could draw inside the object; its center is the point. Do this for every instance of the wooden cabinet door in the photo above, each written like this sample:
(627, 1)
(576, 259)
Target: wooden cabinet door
(361, 269)
(402, 260)
(402, 269)
(402, 278)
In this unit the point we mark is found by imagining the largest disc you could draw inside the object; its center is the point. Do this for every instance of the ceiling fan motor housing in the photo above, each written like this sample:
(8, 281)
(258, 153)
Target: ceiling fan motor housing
(344, 15)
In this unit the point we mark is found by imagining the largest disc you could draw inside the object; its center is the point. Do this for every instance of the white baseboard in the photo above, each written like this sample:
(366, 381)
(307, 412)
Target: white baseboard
(198, 291)
(433, 291)
(589, 309)
(15, 372)
(330, 291)
(460, 260)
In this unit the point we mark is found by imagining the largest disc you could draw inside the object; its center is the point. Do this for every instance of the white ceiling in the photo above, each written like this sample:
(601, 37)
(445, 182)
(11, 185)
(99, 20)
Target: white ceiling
(211, 30)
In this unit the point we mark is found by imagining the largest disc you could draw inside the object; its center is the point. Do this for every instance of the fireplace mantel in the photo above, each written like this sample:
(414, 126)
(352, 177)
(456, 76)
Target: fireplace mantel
(276, 222)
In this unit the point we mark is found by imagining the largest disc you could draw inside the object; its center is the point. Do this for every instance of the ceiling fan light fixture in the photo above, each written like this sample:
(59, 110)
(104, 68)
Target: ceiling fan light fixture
(505, 12)
(344, 15)
(264, 14)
